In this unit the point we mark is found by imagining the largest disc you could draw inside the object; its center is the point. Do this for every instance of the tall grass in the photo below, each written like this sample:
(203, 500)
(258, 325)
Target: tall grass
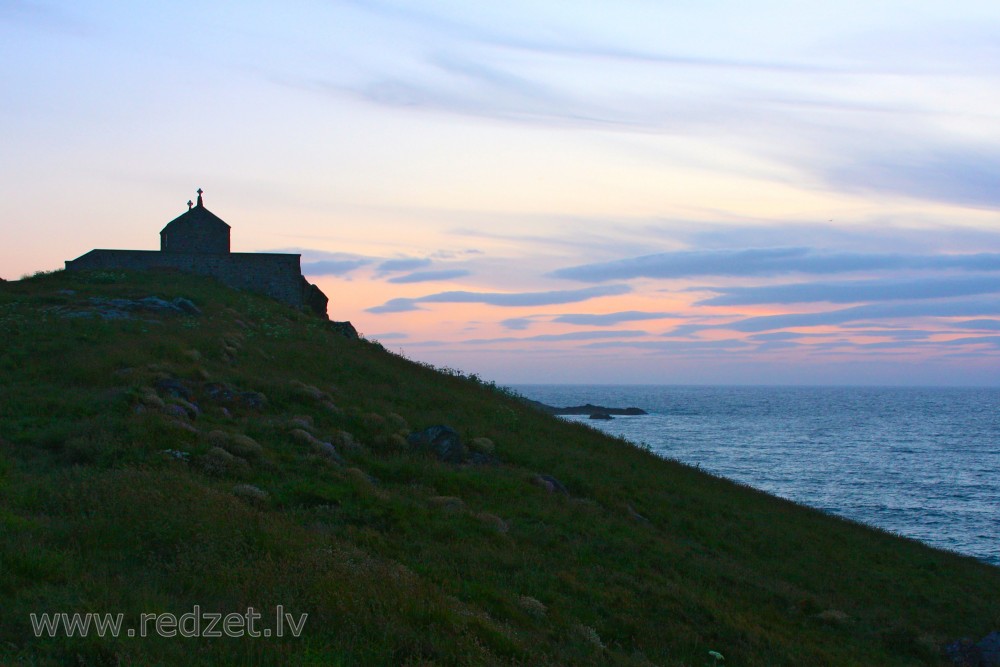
(115, 496)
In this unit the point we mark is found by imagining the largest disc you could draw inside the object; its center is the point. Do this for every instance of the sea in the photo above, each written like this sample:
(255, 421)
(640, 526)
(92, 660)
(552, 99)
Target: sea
(920, 462)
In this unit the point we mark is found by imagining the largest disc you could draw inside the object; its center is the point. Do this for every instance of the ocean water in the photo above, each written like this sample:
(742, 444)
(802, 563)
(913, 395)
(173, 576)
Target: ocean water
(920, 462)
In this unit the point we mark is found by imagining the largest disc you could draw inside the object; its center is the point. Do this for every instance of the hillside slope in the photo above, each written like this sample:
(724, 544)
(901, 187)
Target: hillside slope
(212, 448)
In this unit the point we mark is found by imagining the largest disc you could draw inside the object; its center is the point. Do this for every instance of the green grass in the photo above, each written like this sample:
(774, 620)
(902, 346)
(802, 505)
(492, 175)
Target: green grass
(96, 517)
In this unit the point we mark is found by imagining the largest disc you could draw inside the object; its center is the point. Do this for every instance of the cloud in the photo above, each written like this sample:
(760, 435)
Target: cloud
(501, 299)
(675, 345)
(571, 336)
(610, 319)
(979, 325)
(962, 175)
(402, 264)
(962, 308)
(429, 276)
(769, 262)
(333, 267)
(854, 291)
(388, 335)
(517, 323)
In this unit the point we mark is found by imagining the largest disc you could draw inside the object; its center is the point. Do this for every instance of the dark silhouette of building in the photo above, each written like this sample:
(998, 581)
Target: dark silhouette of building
(198, 242)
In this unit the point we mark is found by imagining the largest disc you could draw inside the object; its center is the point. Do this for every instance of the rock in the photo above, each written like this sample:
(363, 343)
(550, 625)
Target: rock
(989, 650)
(549, 483)
(482, 445)
(219, 392)
(176, 411)
(963, 653)
(324, 448)
(173, 387)
(192, 410)
(601, 415)
(186, 305)
(253, 400)
(587, 409)
(442, 441)
(345, 329)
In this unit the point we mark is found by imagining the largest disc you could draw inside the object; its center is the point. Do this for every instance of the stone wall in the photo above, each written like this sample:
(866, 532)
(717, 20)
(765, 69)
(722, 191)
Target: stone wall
(276, 275)
(190, 236)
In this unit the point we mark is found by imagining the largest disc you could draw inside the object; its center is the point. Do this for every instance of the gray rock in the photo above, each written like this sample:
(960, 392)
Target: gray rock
(989, 650)
(173, 387)
(442, 441)
(345, 329)
(186, 305)
(549, 483)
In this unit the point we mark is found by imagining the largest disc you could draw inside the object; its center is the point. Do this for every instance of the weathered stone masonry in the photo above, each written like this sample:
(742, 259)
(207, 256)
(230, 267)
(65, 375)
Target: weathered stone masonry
(198, 242)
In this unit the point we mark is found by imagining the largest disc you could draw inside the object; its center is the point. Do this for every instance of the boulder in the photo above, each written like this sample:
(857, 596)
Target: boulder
(441, 441)
(989, 650)
(345, 329)
(173, 387)
(549, 483)
(186, 305)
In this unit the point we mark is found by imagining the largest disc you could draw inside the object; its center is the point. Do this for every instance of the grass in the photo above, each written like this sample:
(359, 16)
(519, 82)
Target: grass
(117, 497)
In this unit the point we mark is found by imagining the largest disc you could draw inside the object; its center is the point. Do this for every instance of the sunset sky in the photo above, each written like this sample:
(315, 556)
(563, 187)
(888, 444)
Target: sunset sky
(631, 192)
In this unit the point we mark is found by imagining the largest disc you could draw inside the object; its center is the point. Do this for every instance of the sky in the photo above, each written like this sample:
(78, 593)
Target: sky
(639, 191)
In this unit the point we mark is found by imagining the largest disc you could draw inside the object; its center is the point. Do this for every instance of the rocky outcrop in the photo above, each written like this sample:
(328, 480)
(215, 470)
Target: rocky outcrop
(345, 329)
(441, 441)
(587, 409)
(124, 309)
(984, 653)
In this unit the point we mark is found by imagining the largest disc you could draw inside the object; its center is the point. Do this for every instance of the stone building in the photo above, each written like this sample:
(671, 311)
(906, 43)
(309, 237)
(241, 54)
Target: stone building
(198, 242)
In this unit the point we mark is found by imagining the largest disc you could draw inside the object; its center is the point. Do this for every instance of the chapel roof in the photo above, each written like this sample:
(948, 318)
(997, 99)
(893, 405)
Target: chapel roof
(197, 214)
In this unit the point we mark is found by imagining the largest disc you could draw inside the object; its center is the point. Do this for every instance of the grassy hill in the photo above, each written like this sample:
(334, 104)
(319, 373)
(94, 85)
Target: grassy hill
(155, 457)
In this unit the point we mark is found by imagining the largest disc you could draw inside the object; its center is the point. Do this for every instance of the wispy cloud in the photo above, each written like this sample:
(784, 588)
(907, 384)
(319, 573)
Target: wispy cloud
(502, 299)
(570, 336)
(958, 308)
(388, 335)
(856, 291)
(334, 267)
(680, 346)
(960, 175)
(402, 264)
(517, 323)
(610, 319)
(769, 262)
(978, 325)
(429, 276)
